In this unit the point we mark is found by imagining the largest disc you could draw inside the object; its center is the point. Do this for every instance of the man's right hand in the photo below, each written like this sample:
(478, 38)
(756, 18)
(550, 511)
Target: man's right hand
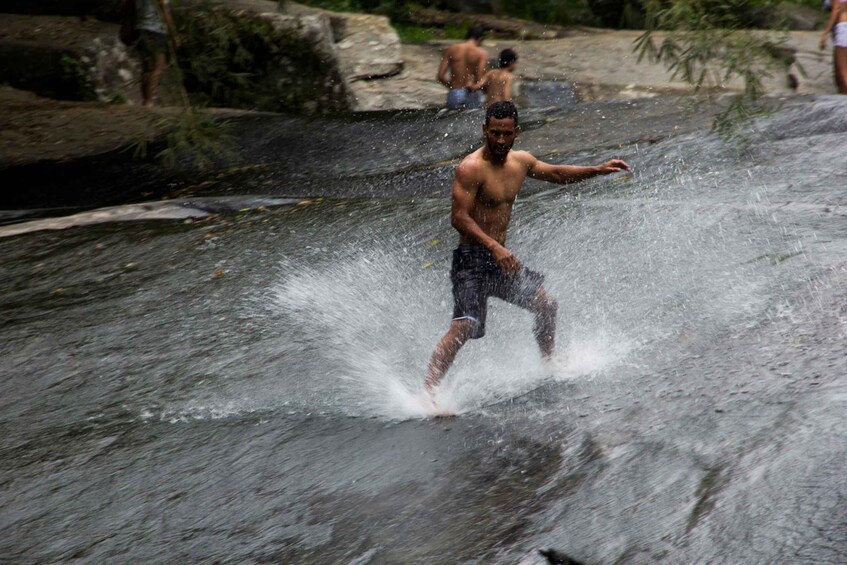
(507, 262)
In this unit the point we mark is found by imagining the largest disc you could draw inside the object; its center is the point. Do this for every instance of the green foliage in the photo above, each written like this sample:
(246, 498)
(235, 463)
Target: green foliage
(196, 137)
(75, 80)
(118, 98)
(411, 33)
(223, 57)
(705, 43)
(384, 7)
(609, 13)
(191, 136)
(336, 5)
(238, 61)
(618, 13)
(559, 12)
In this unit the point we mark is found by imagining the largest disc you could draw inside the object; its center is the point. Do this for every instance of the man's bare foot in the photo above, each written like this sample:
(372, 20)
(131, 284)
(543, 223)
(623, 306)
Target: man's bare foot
(554, 364)
(435, 408)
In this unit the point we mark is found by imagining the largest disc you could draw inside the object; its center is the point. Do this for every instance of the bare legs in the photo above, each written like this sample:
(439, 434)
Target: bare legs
(152, 69)
(445, 352)
(544, 327)
(840, 61)
(544, 330)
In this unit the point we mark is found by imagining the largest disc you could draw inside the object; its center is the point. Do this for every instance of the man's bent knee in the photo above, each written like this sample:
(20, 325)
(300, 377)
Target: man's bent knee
(460, 331)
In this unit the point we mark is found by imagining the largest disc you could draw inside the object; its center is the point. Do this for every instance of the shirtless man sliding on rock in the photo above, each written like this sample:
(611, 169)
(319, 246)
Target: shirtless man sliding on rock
(484, 189)
(466, 65)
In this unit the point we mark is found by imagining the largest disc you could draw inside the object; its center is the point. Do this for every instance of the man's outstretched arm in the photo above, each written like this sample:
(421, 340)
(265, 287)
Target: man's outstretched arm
(566, 174)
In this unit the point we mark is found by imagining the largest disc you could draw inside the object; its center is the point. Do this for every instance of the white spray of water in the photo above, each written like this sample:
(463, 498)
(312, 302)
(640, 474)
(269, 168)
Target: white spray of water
(377, 317)
(357, 322)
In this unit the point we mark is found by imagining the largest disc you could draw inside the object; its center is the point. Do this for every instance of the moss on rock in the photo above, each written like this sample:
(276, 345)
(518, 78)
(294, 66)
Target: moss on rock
(270, 62)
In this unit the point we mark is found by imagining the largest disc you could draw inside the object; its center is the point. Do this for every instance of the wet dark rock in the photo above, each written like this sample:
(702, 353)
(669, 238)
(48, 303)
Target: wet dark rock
(103, 9)
(558, 558)
(70, 59)
(139, 382)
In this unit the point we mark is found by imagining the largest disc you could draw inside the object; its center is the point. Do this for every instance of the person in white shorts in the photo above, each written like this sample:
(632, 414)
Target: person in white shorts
(837, 25)
(153, 22)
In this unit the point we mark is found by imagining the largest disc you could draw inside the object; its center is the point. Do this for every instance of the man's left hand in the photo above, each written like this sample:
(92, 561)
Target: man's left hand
(613, 166)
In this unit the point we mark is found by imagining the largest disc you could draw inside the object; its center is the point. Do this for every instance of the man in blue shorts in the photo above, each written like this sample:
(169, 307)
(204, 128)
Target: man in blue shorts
(484, 190)
(462, 65)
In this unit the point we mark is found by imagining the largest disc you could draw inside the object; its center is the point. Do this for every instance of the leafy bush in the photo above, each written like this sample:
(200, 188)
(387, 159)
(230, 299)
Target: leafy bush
(559, 12)
(629, 14)
(239, 61)
(75, 80)
(706, 43)
(411, 33)
(223, 58)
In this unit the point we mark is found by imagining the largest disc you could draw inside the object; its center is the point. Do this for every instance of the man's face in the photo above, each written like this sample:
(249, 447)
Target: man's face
(500, 135)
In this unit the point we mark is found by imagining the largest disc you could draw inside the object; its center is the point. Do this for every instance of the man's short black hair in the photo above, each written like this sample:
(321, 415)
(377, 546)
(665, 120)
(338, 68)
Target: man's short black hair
(506, 57)
(476, 32)
(501, 110)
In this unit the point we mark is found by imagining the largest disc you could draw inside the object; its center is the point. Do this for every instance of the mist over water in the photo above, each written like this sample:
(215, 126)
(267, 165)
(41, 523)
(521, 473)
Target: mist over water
(249, 387)
(636, 262)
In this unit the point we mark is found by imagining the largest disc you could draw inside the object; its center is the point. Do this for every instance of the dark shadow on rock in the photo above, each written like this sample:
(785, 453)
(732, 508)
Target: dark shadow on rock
(558, 558)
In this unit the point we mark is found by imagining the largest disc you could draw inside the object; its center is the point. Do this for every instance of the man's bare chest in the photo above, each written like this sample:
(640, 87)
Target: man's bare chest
(503, 188)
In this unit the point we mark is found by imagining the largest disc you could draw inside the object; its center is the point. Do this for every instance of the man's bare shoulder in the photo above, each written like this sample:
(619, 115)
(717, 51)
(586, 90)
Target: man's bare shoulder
(524, 157)
(453, 50)
(471, 166)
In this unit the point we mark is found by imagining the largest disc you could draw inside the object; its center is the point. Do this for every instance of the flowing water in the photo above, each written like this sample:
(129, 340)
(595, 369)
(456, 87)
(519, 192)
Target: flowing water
(246, 387)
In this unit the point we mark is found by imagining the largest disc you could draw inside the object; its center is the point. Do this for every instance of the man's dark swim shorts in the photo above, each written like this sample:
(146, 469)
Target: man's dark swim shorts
(476, 276)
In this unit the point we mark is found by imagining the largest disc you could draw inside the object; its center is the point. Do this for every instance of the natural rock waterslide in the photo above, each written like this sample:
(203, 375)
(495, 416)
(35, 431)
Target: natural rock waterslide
(246, 386)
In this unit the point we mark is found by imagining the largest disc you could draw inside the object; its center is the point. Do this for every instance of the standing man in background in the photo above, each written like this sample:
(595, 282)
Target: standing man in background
(465, 63)
(153, 22)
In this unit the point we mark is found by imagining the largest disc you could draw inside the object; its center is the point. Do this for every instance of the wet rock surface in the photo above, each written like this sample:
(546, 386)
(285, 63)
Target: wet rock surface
(245, 386)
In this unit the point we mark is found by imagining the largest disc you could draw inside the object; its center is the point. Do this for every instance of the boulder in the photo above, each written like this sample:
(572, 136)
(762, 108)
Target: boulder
(369, 48)
(315, 87)
(70, 59)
